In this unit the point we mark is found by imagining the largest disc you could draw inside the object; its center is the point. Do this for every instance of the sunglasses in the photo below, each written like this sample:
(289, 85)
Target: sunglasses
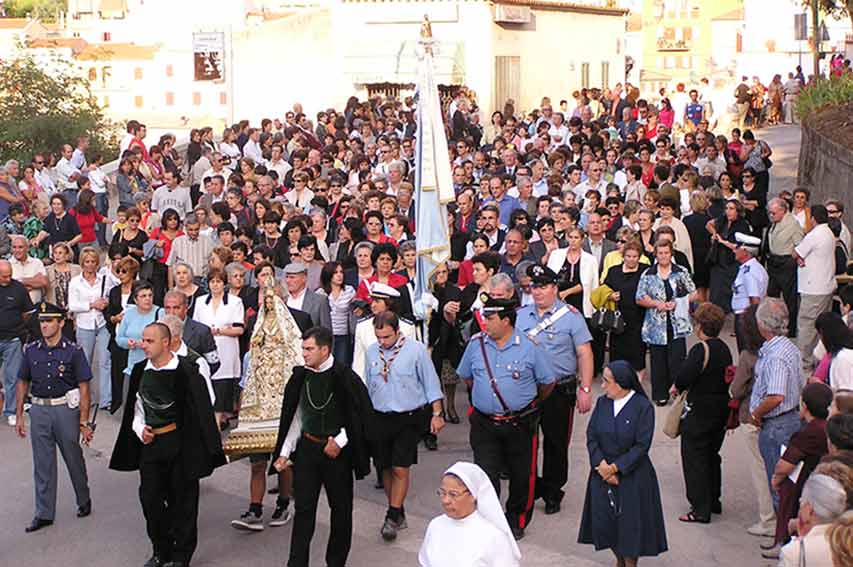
(39, 163)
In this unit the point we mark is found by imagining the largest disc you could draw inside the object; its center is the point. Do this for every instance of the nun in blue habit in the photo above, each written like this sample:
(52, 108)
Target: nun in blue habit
(622, 511)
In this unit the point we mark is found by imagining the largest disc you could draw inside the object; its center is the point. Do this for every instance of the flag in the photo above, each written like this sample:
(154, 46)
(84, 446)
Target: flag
(433, 182)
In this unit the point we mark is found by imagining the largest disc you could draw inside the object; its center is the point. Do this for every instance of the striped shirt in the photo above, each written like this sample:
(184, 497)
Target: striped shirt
(193, 252)
(777, 373)
(340, 310)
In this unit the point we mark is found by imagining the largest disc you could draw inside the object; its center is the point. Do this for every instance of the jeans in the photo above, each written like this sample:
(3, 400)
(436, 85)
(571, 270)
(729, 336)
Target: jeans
(11, 357)
(775, 432)
(70, 198)
(342, 349)
(102, 205)
(96, 342)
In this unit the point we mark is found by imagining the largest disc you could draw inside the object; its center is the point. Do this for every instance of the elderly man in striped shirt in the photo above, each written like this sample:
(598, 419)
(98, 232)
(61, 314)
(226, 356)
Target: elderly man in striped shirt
(774, 405)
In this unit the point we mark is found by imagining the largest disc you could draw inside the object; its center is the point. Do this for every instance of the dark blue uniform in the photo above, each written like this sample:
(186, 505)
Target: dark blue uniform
(54, 374)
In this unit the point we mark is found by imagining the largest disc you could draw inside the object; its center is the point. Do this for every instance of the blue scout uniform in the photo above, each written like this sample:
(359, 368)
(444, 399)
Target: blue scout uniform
(504, 425)
(54, 374)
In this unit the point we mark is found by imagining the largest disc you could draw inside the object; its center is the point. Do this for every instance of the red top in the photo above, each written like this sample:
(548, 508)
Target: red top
(383, 239)
(158, 234)
(87, 224)
(394, 280)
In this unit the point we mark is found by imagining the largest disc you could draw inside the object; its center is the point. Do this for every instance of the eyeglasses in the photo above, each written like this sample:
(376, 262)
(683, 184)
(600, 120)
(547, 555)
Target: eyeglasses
(123, 270)
(622, 241)
(39, 163)
(452, 494)
(833, 211)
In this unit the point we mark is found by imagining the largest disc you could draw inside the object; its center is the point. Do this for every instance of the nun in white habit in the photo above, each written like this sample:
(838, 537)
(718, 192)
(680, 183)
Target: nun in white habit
(473, 531)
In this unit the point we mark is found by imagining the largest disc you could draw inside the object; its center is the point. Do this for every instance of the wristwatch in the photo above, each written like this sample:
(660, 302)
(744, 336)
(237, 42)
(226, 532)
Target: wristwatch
(585, 389)
(439, 414)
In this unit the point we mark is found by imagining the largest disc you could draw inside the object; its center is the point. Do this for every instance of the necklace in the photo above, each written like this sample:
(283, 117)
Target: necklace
(311, 400)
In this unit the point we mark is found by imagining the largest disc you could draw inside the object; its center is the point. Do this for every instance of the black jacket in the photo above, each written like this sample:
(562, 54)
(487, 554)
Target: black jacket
(198, 337)
(358, 415)
(201, 445)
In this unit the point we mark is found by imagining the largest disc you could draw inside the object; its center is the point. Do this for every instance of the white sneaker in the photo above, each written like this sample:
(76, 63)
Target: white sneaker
(760, 530)
(280, 516)
(12, 421)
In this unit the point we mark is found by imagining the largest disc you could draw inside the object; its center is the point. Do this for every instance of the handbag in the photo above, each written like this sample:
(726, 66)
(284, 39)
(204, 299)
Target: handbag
(713, 255)
(672, 421)
(608, 321)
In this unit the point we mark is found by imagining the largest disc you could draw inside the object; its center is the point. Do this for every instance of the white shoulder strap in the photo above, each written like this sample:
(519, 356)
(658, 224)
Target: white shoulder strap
(548, 321)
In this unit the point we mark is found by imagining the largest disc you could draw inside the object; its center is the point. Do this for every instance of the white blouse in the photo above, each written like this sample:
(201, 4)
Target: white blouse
(622, 402)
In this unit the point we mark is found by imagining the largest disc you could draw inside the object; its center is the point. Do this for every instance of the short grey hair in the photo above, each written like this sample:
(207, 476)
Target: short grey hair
(408, 245)
(177, 294)
(397, 164)
(191, 219)
(521, 268)
(772, 315)
(778, 202)
(184, 265)
(175, 325)
(363, 244)
(317, 211)
(12, 162)
(523, 179)
(234, 268)
(502, 280)
(826, 496)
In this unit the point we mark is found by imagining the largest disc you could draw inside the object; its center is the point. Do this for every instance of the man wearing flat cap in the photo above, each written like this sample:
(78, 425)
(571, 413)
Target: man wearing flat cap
(509, 378)
(57, 375)
(561, 332)
(301, 298)
(750, 285)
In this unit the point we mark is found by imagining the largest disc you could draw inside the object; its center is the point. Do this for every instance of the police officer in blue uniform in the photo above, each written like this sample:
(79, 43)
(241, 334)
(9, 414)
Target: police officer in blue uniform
(509, 377)
(750, 284)
(57, 375)
(561, 332)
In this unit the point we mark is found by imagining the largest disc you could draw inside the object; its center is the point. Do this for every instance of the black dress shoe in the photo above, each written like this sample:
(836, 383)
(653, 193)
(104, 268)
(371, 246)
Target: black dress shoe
(454, 419)
(85, 509)
(37, 524)
(431, 443)
(154, 561)
(176, 564)
(552, 507)
(517, 533)
(717, 507)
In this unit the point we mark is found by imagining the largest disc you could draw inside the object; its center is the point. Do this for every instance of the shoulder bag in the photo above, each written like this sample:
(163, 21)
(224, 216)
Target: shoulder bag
(672, 422)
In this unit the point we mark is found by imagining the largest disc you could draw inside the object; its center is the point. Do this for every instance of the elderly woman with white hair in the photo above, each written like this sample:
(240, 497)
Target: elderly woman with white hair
(823, 501)
(473, 531)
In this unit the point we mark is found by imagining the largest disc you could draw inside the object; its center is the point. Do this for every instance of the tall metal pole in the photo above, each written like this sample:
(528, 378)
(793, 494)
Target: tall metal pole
(816, 39)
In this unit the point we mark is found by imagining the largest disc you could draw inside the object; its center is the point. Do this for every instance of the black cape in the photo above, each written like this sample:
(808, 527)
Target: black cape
(355, 404)
(201, 444)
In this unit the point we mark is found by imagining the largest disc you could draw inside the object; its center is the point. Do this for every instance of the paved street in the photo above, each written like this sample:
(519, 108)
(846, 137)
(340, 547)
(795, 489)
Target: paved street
(115, 534)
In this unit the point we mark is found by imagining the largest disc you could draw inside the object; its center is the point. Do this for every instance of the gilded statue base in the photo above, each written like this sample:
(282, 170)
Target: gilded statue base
(254, 439)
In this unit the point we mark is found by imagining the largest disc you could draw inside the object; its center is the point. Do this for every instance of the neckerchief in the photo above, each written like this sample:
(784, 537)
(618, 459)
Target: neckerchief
(395, 351)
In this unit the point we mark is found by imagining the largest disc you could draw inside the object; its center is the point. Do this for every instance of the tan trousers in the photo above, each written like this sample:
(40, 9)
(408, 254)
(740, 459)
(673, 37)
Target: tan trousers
(766, 514)
(810, 307)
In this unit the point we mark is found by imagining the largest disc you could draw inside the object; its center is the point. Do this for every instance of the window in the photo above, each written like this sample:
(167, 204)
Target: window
(585, 75)
(170, 99)
(93, 74)
(137, 101)
(170, 71)
(605, 74)
(137, 74)
(106, 101)
(106, 74)
(687, 33)
(223, 98)
(196, 99)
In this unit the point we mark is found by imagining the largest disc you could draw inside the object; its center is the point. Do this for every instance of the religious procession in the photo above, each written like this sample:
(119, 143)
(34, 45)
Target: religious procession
(314, 306)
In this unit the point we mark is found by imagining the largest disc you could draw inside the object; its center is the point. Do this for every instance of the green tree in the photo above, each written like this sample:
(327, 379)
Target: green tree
(43, 106)
(45, 10)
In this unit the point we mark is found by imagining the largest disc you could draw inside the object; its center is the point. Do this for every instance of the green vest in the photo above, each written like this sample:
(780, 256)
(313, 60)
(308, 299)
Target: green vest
(321, 415)
(157, 391)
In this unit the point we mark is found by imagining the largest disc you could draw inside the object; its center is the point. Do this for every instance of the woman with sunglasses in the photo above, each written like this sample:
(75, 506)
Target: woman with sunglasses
(119, 298)
(132, 235)
(164, 235)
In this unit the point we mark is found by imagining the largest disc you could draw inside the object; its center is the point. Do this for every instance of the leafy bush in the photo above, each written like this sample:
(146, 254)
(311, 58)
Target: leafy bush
(831, 92)
(45, 105)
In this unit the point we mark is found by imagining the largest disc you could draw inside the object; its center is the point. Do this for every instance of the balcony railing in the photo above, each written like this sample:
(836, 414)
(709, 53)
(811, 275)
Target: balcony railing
(673, 44)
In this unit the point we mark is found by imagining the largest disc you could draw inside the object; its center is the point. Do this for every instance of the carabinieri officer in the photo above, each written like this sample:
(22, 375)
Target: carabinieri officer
(57, 375)
(509, 377)
(561, 331)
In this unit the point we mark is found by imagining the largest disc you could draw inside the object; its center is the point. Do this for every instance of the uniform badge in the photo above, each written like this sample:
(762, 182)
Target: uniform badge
(61, 368)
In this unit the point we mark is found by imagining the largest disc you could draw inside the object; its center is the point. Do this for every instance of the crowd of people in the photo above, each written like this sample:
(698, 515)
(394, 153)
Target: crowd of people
(586, 243)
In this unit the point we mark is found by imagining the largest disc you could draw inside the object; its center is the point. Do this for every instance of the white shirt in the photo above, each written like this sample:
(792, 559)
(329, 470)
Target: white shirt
(817, 277)
(252, 150)
(28, 269)
(81, 294)
(581, 189)
(621, 402)
(841, 370)
(177, 199)
(43, 178)
(295, 430)
(98, 180)
(561, 132)
(296, 301)
(125, 143)
(281, 167)
(64, 170)
(224, 172)
(299, 200)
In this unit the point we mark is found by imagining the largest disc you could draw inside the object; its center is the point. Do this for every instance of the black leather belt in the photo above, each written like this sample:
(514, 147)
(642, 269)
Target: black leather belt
(510, 417)
(568, 379)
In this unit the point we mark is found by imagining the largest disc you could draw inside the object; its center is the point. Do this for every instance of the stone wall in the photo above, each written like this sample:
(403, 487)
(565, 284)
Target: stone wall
(827, 168)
